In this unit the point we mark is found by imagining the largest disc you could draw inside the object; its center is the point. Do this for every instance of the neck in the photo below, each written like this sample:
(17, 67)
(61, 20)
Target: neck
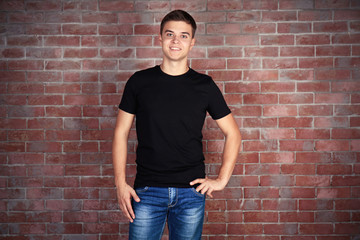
(174, 69)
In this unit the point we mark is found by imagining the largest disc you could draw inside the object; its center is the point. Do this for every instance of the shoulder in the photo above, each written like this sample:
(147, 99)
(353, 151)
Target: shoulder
(146, 72)
(204, 78)
(142, 76)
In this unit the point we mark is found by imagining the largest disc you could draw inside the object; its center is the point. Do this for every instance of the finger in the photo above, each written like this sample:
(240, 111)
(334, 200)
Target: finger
(209, 193)
(126, 212)
(196, 181)
(204, 190)
(130, 210)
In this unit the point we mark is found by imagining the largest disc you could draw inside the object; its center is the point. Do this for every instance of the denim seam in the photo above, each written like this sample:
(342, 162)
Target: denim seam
(176, 198)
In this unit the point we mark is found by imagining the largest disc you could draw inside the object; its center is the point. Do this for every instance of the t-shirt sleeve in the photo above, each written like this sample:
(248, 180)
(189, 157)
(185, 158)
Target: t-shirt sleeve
(128, 101)
(217, 106)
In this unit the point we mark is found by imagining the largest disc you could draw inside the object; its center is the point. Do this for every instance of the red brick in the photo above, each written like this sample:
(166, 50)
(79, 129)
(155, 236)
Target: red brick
(296, 145)
(347, 62)
(260, 217)
(313, 157)
(241, 87)
(280, 63)
(313, 39)
(333, 51)
(315, 110)
(347, 228)
(344, 110)
(119, 29)
(208, 63)
(244, 229)
(319, 181)
(64, 17)
(316, 63)
(345, 180)
(224, 5)
(332, 193)
(297, 75)
(297, 217)
(331, 27)
(226, 76)
(281, 229)
(260, 99)
(277, 110)
(331, 4)
(295, 98)
(241, 16)
(259, 122)
(277, 180)
(261, 52)
(260, 145)
(294, 28)
(295, 122)
(313, 87)
(297, 51)
(315, 15)
(277, 40)
(102, 41)
(277, 134)
(116, 6)
(297, 193)
(317, 229)
(224, 52)
(281, 157)
(345, 38)
(229, 28)
(319, 204)
(298, 169)
(332, 145)
(264, 75)
(78, 193)
(260, 5)
(262, 169)
(43, 193)
(312, 134)
(242, 40)
(258, 28)
(25, 228)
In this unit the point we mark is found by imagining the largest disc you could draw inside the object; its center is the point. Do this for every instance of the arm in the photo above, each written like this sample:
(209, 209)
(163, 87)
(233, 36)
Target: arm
(119, 155)
(231, 131)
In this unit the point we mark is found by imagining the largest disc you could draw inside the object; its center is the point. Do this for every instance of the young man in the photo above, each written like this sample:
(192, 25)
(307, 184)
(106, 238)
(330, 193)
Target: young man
(170, 102)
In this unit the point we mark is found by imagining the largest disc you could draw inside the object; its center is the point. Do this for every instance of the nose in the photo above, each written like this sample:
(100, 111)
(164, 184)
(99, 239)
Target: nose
(175, 39)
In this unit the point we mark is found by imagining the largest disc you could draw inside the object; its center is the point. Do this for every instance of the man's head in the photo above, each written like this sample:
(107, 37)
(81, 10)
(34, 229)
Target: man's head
(179, 15)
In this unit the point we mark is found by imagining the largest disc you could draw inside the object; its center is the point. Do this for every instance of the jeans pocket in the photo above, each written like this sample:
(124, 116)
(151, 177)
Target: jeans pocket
(197, 193)
(141, 189)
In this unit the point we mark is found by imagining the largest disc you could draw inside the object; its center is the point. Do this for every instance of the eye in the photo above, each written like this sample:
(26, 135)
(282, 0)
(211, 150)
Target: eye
(184, 36)
(169, 34)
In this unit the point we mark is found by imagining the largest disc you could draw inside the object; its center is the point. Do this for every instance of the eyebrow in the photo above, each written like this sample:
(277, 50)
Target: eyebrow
(173, 32)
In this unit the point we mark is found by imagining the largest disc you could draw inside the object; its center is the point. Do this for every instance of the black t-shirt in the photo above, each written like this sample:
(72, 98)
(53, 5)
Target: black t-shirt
(170, 113)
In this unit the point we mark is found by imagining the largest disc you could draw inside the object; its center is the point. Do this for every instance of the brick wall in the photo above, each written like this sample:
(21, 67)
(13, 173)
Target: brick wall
(288, 69)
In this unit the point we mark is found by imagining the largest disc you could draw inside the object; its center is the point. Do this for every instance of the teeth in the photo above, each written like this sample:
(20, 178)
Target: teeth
(175, 48)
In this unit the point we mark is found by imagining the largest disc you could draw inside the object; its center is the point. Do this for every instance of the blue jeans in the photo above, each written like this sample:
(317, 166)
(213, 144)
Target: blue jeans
(182, 207)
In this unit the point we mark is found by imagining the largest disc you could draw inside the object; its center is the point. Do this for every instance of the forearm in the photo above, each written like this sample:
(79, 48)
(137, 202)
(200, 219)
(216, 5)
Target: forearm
(120, 145)
(119, 156)
(230, 154)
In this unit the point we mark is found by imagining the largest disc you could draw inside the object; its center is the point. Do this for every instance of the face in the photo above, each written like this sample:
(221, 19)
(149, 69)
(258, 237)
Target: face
(176, 40)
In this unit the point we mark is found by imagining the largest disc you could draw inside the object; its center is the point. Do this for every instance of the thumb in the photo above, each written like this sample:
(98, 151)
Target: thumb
(134, 195)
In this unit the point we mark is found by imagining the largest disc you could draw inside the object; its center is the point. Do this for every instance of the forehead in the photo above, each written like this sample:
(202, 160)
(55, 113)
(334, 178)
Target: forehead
(177, 27)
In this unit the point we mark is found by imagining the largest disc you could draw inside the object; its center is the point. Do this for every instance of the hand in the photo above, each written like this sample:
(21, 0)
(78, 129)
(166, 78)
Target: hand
(208, 185)
(124, 195)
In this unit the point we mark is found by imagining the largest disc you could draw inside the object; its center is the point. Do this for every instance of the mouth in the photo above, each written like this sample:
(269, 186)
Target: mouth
(175, 49)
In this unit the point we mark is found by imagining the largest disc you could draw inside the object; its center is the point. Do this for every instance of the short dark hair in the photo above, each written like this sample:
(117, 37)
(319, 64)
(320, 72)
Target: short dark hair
(179, 15)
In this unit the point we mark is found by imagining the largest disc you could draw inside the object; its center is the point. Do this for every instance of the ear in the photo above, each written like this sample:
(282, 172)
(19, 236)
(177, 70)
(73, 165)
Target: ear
(160, 39)
(192, 44)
